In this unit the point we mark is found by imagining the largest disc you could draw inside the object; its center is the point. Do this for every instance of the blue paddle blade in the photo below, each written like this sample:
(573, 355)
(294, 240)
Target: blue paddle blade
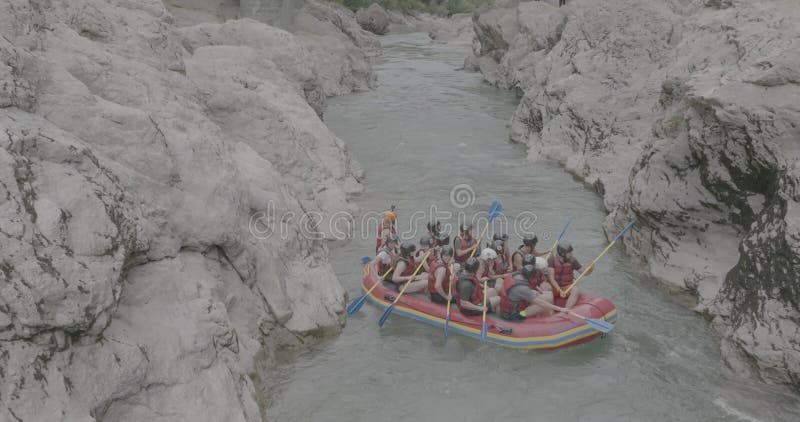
(600, 325)
(624, 229)
(385, 315)
(483, 332)
(365, 259)
(564, 230)
(354, 306)
(446, 325)
(494, 211)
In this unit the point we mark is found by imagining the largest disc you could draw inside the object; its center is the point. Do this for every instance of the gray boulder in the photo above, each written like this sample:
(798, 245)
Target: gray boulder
(373, 19)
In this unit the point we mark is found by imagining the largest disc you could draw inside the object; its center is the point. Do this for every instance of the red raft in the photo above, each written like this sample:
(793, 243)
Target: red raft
(541, 333)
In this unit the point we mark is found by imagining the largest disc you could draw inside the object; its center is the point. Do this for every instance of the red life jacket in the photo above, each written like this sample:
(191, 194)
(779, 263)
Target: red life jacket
(536, 280)
(432, 278)
(507, 307)
(463, 244)
(410, 266)
(501, 264)
(564, 273)
(477, 291)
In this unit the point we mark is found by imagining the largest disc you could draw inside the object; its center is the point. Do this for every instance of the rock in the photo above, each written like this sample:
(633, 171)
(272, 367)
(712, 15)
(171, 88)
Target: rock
(456, 30)
(155, 187)
(373, 19)
(698, 148)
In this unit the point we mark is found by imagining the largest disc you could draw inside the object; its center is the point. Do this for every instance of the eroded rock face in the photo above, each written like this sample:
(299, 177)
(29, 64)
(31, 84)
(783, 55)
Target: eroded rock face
(373, 19)
(682, 115)
(145, 267)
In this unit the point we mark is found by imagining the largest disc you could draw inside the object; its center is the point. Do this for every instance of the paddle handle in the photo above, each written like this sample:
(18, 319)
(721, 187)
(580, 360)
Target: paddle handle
(589, 267)
(558, 239)
(377, 282)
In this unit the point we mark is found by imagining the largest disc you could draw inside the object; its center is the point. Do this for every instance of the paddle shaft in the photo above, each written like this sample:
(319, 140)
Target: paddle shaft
(377, 282)
(589, 267)
(449, 297)
(558, 239)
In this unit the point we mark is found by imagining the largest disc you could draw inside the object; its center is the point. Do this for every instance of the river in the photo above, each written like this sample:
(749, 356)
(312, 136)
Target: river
(425, 130)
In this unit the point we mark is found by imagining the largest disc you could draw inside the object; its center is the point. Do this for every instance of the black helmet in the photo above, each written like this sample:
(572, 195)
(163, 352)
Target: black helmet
(564, 249)
(392, 238)
(466, 227)
(498, 246)
(425, 240)
(528, 272)
(528, 260)
(530, 241)
(442, 239)
(471, 265)
(407, 248)
(434, 226)
(446, 250)
(497, 236)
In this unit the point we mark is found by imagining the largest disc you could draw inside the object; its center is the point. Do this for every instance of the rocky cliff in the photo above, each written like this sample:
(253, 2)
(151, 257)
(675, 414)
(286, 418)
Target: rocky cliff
(683, 115)
(155, 182)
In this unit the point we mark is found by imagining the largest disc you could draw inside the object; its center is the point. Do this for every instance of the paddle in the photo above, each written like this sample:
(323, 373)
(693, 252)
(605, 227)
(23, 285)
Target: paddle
(597, 324)
(449, 297)
(389, 310)
(586, 270)
(555, 244)
(494, 211)
(355, 305)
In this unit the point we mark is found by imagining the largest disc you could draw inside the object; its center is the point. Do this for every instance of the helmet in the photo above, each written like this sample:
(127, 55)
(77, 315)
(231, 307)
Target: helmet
(564, 249)
(488, 253)
(392, 238)
(528, 272)
(541, 263)
(407, 248)
(434, 226)
(425, 240)
(530, 241)
(528, 260)
(471, 265)
(447, 250)
(442, 239)
(466, 227)
(498, 236)
(498, 246)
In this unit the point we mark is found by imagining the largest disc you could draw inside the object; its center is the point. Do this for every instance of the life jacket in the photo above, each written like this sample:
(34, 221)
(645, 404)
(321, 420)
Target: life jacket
(564, 273)
(432, 277)
(508, 308)
(514, 255)
(410, 266)
(460, 243)
(501, 264)
(536, 280)
(477, 291)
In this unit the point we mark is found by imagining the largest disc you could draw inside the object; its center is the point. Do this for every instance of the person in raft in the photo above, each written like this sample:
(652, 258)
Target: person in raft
(520, 301)
(426, 244)
(441, 275)
(387, 227)
(434, 228)
(501, 263)
(504, 238)
(404, 269)
(469, 291)
(564, 266)
(385, 257)
(464, 243)
(528, 247)
(487, 269)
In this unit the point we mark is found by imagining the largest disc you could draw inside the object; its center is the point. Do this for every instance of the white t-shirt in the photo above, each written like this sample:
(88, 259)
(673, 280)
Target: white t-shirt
(384, 258)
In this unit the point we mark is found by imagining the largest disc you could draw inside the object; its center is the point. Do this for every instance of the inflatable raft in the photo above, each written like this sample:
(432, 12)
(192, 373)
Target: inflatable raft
(541, 333)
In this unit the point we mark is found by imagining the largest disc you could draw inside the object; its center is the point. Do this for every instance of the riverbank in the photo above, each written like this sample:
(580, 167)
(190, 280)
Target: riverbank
(158, 161)
(680, 115)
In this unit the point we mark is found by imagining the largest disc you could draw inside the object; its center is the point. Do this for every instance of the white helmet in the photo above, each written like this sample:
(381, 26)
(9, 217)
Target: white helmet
(540, 263)
(488, 254)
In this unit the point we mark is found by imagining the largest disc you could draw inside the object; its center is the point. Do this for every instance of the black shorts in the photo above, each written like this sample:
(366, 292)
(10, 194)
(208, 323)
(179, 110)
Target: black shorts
(437, 298)
(470, 312)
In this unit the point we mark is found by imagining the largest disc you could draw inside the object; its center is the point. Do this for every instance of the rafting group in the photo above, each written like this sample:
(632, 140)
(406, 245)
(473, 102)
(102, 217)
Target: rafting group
(519, 284)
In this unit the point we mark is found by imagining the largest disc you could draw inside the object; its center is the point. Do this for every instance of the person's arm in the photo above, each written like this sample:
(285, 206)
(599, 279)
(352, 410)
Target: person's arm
(460, 252)
(551, 277)
(549, 305)
(517, 260)
(398, 269)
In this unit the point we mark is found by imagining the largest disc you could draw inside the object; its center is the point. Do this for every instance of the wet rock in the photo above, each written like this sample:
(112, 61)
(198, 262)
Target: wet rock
(373, 19)
(696, 146)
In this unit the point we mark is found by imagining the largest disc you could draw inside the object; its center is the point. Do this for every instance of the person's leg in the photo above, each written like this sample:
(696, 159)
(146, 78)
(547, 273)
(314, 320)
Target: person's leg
(494, 301)
(417, 286)
(534, 309)
(573, 297)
